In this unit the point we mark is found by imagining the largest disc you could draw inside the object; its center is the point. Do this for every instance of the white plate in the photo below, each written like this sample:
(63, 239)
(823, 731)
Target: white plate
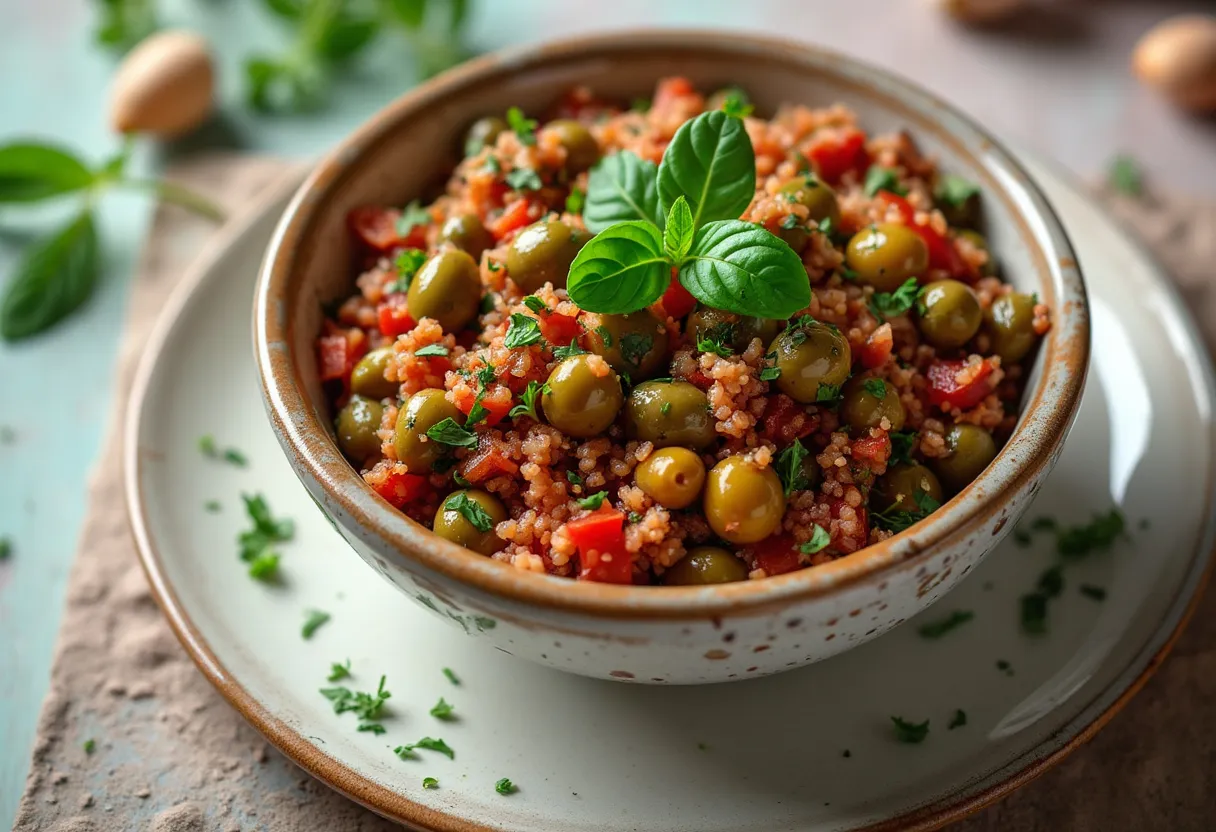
(760, 755)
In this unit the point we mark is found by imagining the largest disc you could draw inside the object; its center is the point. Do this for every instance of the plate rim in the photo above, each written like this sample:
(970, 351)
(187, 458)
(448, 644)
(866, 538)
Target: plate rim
(396, 807)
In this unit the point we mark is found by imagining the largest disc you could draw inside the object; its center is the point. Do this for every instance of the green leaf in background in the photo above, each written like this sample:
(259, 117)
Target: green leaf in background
(740, 267)
(32, 171)
(286, 9)
(125, 23)
(620, 270)
(709, 161)
(622, 188)
(409, 12)
(1124, 176)
(677, 237)
(52, 280)
(346, 36)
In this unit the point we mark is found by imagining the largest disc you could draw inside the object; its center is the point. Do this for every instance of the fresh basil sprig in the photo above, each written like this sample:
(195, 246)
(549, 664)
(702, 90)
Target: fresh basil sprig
(683, 215)
(124, 23)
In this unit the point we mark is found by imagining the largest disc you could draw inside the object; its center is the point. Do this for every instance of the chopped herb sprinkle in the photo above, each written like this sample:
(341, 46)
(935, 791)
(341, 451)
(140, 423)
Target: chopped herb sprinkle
(313, 620)
(470, 510)
(593, 501)
(443, 710)
(528, 400)
(366, 706)
(90, 745)
(1125, 176)
(910, 732)
(523, 331)
(430, 783)
(505, 786)
(958, 720)
(938, 628)
(429, 743)
(256, 542)
(820, 538)
(1095, 593)
(1004, 666)
(207, 446)
(431, 349)
(338, 671)
(6, 548)
(447, 432)
(212, 506)
(452, 677)
(372, 728)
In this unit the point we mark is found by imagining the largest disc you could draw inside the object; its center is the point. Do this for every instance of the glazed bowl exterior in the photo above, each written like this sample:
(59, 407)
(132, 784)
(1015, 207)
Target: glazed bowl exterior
(661, 635)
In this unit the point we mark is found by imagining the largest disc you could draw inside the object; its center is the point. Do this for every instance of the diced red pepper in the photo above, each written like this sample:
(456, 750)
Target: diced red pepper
(843, 544)
(401, 489)
(835, 151)
(486, 463)
(670, 90)
(600, 538)
(393, 318)
(496, 408)
(877, 348)
(339, 353)
(776, 555)
(514, 217)
(376, 227)
(785, 420)
(959, 383)
(676, 301)
(906, 212)
(872, 450)
(559, 330)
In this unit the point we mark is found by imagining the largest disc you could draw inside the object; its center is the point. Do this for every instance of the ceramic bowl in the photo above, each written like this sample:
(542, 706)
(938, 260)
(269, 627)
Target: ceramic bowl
(660, 634)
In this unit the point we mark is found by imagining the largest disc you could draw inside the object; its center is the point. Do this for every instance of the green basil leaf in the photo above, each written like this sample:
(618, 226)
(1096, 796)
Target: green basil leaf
(711, 163)
(52, 280)
(740, 267)
(621, 188)
(677, 237)
(409, 12)
(30, 172)
(621, 270)
(346, 35)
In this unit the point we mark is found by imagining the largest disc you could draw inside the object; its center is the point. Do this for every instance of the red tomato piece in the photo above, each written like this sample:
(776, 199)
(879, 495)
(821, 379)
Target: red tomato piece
(835, 152)
(777, 555)
(872, 450)
(496, 409)
(338, 353)
(401, 489)
(906, 212)
(376, 228)
(600, 538)
(514, 217)
(842, 543)
(559, 330)
(487, 463)
(676, 301)
(785, 420)
(877, 349)
(959, 383)
(670, 90)
(393, 318)
(942, 253)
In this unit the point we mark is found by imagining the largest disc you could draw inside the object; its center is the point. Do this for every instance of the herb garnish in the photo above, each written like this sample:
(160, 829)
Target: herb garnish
(372, 728)
(535, 304)
(406, 751)
(256, 542)
(338, 672)
(770, 374)
(879, 178)
(470, 510)
(910, 732)
(407, 264)
(885, 305)
(447, 671)
(723, 262)
(6, 548)
(573, 478)
(522, 331)
(593, 501)
(505, 786)
(876, 387)
(206, 444)
(366, 706)
(820, 538)
(1125, 176)
(897, 521)
(525, 179)
(958, 720)
(90, 745)
(431, 349)
(938, 628)
(528, 400)
(447, 432)
(430, 783)
(789, 468)
(443, 710)
(901, 445)
(737, 103)
(521, 125)
(954, 190)
(827, 393)
(1095, 593)
(412, 216)
(569, 351)
(312, 622)
(715, 343)
(212, 507)
(575, 201)
(1004, 666)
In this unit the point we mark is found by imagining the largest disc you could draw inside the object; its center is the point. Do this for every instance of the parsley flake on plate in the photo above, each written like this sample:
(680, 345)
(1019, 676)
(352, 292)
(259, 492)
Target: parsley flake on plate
(90, 745)
(1125, 176)
(938, 628)
(366, 706)
(505, 786)
(212, 507)
(443, 710)
(910, 732)
(430, 783)
(452, 677)
(958, 720)
(337, 672)
(312, 622)
(429, 743)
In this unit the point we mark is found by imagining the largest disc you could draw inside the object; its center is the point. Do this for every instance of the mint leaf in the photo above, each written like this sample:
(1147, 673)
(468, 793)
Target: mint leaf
(447, 432)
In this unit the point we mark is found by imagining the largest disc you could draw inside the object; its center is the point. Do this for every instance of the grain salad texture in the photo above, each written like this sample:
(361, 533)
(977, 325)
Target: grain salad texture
(476, 396)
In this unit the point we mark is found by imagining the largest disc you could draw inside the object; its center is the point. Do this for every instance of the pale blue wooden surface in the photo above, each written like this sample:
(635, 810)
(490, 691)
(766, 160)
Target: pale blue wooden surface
(1072, 99)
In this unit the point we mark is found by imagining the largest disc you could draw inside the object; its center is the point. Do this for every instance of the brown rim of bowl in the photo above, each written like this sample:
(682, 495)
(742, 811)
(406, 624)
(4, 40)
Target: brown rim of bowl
(1048, 411)
(393, 805)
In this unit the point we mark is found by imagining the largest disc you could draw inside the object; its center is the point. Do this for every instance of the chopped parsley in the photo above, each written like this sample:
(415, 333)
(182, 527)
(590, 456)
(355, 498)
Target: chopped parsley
(569, 351)
(634, 517)
(1096, 536)
(443, 710)
(6, 548)
(575, 201)
(1051, 582)
(372, 728)
(451, 676)
(407, 264)
(771, 373)
(827, 393)
(90, 745)
(521, 125)
(635, 346)
(313, 621)
(411, 216)
(1004, 666)
(505, 786)
(405, 752)
(1125, 176)
(492, 165)
(789, 468)
(206, 444)
(447, 432)
(889, 304)
(522, 331)
(826, 227)
(1034, 613)
(716, 342)
(470, 510)
(938, 628)
(256, 542)
(264, 567)
(1095, 593)
(1022, 537)
(366, 706)
(790, 222)
(429, 743)
(337, 672)
(901, 445)
(235, 457)
(820, 538)
(525, 179)
(430, 783)
(573, 478)
(910, 732)
(605, 334)
(958, 720)
(897, 521)
(535, 304)
(665, 408)
(879, 178)
(954, 190)
(593, 501)
(212, 506)
(528, 399)
(736, 103)
(431, 349)
(876, 387)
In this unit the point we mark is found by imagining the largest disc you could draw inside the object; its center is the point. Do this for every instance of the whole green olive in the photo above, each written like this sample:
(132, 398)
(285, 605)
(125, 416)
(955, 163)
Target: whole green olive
(542, 253)
(705, 565)
(897, 490)
(582, 150)
(582, 398)
(887, 254)
(971, 448)
(421, 412)
(447, 288)
(866, 401)
(635, 343)
(1010, 322)
(819, 199)
(950, 314)
(452, 520)
(357, 424)
(673, 477)
(811, 355)
(466, 232)
(735, 331)
(367, 379)
(744, 503)
(669, 413)
(483, 132)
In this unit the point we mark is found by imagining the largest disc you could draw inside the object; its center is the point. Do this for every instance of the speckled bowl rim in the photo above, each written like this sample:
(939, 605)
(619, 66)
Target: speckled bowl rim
(1050, 405)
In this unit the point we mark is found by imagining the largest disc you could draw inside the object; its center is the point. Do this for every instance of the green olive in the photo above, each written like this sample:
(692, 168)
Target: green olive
(635, 343)
(483, 132)
(810, 355)
(898, 488)
(446, 288)
(1011, 324)
(580, 401)
(421, 412)
(582, 150)
(887, 254)
(971, 448)
(367, 379)
(819, 199)
(866, 401)
(736, 331)
(673, 477)
(357, 426)
(744, 503)
(454, 524)
(466, 232)
(542, 253)
(951, 314)
(964, 214)
(669, 413)
(706, 565)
